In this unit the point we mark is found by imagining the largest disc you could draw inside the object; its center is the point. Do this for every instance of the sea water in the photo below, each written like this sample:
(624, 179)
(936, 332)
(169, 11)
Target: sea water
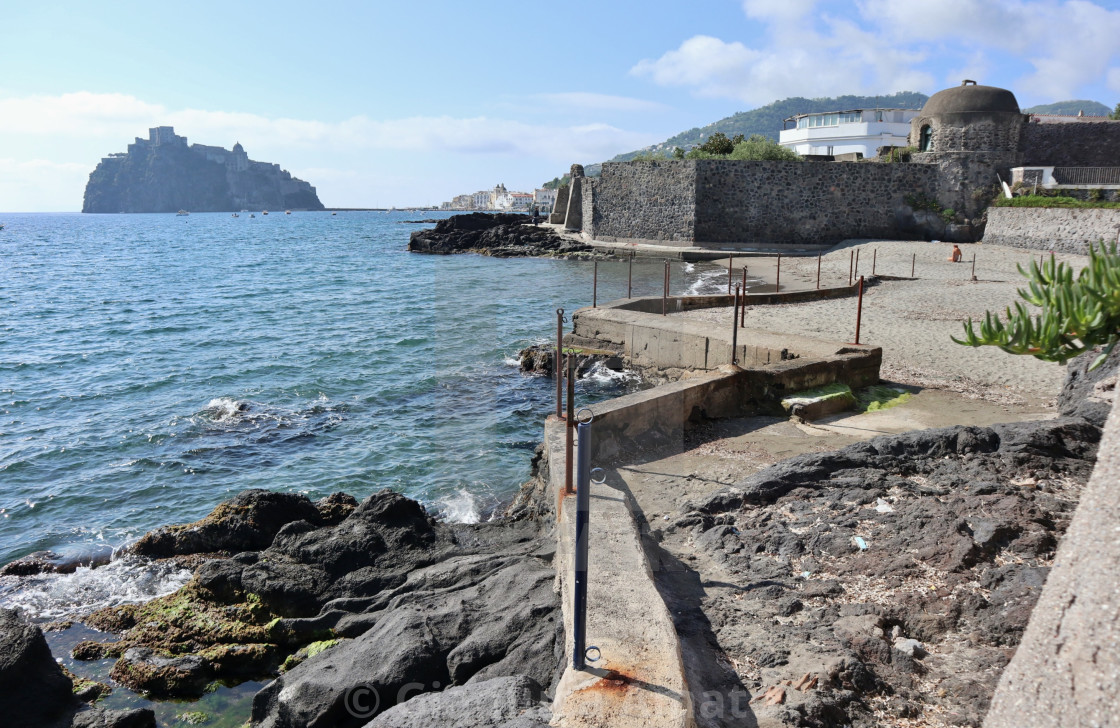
(152, 366)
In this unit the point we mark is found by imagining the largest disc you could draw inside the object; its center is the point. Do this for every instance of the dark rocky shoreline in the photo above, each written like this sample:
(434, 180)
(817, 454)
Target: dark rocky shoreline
(501, 235)
(865, 583)
(351, 607)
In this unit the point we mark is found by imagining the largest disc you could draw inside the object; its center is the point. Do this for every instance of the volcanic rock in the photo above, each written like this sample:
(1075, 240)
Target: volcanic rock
(499, 235)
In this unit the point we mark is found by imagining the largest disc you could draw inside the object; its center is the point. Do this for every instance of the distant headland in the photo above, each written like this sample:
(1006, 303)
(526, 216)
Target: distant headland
(164, 174)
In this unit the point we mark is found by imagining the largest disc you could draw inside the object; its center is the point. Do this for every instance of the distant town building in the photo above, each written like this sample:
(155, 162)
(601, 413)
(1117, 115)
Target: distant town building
(544, 200)
(498, 198)
(858, 131)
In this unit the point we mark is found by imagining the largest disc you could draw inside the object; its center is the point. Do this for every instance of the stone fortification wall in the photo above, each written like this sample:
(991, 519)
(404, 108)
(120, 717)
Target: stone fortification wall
(651, 201)
(758, 203)
(1095, 144)
(779, 203)
(560, 208)
(1059, 229)
(997, 131)
(969, 180)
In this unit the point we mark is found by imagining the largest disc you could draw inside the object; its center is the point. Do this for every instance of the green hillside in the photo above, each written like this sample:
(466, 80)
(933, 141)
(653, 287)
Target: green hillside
(767, 120)
(1091, 108)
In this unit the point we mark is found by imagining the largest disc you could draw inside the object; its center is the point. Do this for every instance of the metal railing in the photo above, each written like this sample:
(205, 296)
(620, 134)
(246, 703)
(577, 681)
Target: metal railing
(1087, 175)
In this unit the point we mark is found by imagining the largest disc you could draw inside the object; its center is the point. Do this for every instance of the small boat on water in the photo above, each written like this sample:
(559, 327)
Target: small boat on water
(333, 213)
(265, 212)
(253, 215)
(236, 215)
(182, 213)
(287, 212)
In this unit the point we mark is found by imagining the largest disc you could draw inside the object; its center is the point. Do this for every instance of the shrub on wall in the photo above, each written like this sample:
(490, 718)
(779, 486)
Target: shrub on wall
(1052, 200)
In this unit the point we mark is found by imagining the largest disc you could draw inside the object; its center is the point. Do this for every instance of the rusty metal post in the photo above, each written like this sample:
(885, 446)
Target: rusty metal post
(665, 292)
(778, 274)
(735, 327)
(557, 366)
(856, 272)
(582, 546)
(859, 309)
(743, 309)
(874, 256)
(630, 277)
(913, 260)
(595, 286)
(570, 424)
(743, 305)
(730, 260)
(851, 259)
(818, 271)
(974, 266)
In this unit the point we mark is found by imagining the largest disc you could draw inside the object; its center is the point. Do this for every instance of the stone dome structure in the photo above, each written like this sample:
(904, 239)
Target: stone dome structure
(970, 98)
(968, 118)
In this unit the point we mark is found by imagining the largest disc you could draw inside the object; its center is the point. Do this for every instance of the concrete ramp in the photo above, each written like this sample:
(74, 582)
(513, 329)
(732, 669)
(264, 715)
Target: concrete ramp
(639, 678)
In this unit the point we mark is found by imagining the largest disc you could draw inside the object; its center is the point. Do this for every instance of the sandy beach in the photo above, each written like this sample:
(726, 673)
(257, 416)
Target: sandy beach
(912, 320)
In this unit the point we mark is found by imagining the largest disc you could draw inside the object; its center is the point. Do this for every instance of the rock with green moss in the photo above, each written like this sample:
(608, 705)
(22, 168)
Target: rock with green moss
(193, 717)
(306, 652)
(88, 691)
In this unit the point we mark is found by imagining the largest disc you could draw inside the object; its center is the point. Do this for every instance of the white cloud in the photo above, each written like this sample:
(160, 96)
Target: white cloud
(885, 45)
(1067, 44)
(119, 117)
(1113, 79)
(848, 60)
(39, 184)
(597, 102)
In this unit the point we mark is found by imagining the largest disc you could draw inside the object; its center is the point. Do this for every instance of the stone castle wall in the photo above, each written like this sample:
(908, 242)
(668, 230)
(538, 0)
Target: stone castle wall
(758, 203)
(799, 203)
(1063, 230)
(1090, 144)
(650, 201)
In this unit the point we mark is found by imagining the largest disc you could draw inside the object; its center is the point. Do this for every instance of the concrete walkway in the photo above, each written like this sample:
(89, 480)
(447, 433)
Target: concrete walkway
(639, 678)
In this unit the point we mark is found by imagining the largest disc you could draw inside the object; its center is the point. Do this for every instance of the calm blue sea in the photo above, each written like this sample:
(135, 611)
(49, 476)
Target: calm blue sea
(153, 365)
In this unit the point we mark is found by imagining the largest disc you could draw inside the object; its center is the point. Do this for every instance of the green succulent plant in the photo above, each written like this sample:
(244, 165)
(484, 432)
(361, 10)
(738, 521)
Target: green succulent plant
(1078, 314)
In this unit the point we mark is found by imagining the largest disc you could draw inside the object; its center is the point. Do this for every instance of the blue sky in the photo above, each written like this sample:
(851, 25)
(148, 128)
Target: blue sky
(397, 103)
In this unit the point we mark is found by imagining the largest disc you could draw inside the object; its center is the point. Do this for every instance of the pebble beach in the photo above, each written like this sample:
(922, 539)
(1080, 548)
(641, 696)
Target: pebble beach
(912, 319)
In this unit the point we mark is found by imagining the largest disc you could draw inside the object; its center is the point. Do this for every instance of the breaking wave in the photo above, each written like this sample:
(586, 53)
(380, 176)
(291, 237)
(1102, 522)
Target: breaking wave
(129, 580)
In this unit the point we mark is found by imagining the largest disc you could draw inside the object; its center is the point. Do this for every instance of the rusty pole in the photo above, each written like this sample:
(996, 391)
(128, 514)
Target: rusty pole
(730, 259)
(557, 366)
(743, 302)
(582, 546)
(595, 286)
(913, 260)
(735, 327)
(818, 271)
(851, 258)
(665, 292)
(974, 266)
(630, 277)
(570, 425)
(874, 255)
(778, 274)
(856, 273)
(859, 309)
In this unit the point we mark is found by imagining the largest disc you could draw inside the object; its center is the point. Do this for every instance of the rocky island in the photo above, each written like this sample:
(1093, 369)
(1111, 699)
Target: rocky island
(164, 174)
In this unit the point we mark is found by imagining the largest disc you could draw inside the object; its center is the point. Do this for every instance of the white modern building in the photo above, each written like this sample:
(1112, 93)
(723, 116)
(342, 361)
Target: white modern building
(858, 131)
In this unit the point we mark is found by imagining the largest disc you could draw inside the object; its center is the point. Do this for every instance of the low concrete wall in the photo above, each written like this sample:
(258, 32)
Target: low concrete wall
(656, 419)
(1063, 230)
(635, 328)
(676, 304)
